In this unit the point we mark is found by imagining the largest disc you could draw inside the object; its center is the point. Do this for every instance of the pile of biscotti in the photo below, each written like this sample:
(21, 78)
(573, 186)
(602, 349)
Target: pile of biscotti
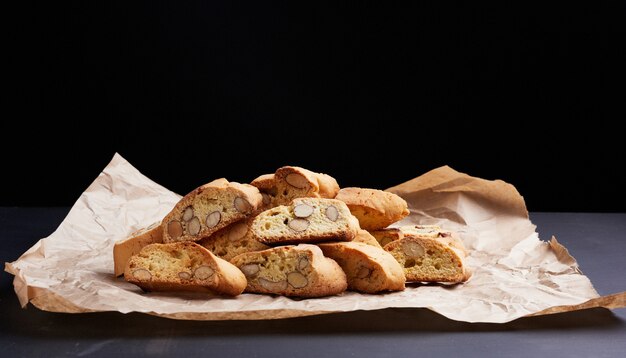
(292, 233)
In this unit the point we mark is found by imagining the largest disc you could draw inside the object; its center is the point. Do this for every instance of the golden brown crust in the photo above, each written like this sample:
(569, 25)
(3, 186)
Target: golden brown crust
(123, 250)
(183, 266)
(369, 269)
(328, 187)
(271, 271)
(226, 202)
(375, 209)
(313, 239)
(264, 182)
(365, 237)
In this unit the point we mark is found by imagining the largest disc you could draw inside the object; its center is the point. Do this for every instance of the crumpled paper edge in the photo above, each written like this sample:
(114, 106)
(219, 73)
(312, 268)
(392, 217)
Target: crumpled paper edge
(43, 296)
(612, 301)
(46, 299)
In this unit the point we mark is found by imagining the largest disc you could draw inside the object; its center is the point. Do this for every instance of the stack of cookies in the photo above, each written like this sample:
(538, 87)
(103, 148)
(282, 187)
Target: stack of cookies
(292, 233)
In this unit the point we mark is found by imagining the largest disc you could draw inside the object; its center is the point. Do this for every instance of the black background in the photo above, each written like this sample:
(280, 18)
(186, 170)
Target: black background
(373, 95)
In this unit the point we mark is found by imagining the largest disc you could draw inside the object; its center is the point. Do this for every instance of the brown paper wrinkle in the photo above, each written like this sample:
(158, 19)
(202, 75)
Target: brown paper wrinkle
(515, 274)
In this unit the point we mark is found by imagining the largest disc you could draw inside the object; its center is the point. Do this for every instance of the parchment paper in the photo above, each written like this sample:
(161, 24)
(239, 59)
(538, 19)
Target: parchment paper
(515, 274)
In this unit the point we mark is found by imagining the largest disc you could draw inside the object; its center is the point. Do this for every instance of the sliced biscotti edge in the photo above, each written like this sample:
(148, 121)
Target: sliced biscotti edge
(290, 270)
(426, 259)
(305, 220)
(183, 266)
(209, 208)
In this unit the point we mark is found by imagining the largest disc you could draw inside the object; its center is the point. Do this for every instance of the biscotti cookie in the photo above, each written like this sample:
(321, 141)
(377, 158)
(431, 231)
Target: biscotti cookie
(365, 237)
(301, 271)
(427, 259)
(123, 250)
(369, 269)
(209, 208)
(289, 182)
(233, 240)
(375, 209)
(183, 266)
(305, 220)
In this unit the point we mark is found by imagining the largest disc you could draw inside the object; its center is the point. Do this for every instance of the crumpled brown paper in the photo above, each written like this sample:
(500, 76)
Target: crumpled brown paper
(515, 273)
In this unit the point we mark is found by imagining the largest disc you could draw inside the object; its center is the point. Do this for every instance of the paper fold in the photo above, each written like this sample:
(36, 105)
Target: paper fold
(515, 273)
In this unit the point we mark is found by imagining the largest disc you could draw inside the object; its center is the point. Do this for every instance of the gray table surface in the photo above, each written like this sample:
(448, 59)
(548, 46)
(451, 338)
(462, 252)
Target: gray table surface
(597, 241)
